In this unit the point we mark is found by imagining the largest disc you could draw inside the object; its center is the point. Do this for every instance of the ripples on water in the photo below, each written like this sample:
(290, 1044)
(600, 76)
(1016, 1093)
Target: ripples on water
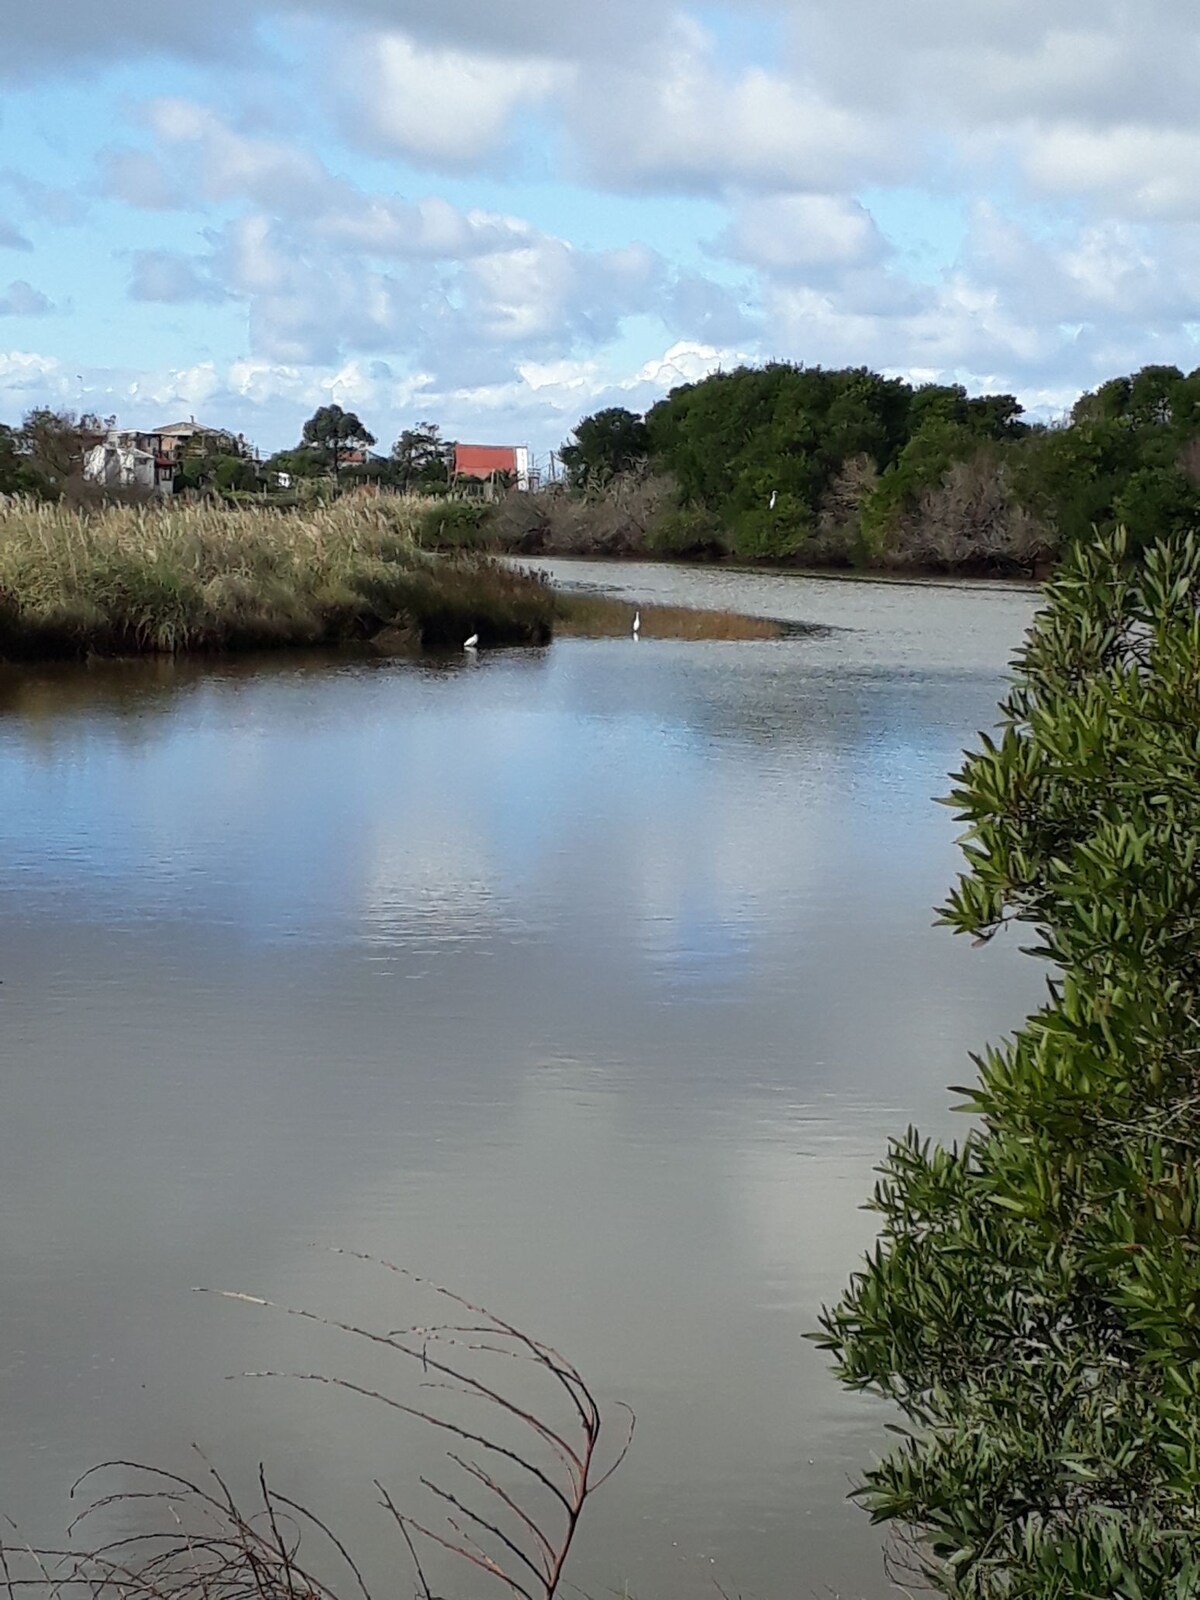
(591, 981)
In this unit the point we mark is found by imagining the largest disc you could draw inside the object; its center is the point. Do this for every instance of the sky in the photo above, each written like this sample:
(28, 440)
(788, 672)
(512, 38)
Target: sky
(503, 216)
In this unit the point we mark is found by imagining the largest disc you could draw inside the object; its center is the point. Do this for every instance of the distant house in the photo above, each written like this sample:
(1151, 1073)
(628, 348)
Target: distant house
(361, 458)
(176, 437)
(126, 460)
(492, 465)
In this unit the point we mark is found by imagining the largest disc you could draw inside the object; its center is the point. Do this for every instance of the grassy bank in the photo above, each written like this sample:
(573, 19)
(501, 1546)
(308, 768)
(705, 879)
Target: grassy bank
(166, 580)
(594, 616)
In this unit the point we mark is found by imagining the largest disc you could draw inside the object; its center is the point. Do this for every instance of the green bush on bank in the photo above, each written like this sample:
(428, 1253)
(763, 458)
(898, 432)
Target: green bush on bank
(444, 524)
(1033, 1304)
(685, 533)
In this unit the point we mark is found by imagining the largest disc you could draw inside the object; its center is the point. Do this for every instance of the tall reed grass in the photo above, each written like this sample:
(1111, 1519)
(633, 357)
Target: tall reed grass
(169, 579)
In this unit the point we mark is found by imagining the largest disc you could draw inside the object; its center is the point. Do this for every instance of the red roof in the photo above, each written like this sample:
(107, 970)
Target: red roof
(482, 460)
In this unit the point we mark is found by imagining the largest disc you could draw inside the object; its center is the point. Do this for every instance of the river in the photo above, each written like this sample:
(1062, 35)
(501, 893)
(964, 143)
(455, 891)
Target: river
(590, 981)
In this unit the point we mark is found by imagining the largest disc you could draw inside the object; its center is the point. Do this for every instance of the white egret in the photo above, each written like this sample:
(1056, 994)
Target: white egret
(472, 643)
(637, 623)
(774, 497)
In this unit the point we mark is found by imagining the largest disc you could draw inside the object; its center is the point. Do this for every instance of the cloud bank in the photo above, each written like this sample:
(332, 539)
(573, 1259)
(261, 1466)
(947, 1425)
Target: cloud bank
(506, 216)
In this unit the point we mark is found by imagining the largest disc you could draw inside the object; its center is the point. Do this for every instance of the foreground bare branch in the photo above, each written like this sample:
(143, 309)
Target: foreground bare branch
(196, 1541)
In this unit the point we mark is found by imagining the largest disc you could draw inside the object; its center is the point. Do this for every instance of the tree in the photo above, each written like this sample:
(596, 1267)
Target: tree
(17, 474)
(214, 458)
(1156, 501)
(234, 472)
(304, 462)
(920, 468)
(972, 520)
(760, 448)
(987, 416)
(335, 432)
(421, 458)
(53, 444)
(605, 445)
(1033, 1304)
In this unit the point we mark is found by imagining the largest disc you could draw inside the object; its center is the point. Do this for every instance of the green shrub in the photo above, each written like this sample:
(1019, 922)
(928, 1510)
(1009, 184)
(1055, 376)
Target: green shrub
(772, 534)
(454, 525)
(1033, 1304)
(686, 533)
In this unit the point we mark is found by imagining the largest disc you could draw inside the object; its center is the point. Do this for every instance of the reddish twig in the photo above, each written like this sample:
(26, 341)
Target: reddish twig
(213, 1550)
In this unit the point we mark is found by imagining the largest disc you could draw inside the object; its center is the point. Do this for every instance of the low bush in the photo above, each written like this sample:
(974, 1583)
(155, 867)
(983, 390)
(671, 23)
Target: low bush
(444, 524)
(686, 533)
(635, 513)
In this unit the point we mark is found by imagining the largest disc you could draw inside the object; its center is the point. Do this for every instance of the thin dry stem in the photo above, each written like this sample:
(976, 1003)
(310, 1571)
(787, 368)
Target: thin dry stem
(212, 1549)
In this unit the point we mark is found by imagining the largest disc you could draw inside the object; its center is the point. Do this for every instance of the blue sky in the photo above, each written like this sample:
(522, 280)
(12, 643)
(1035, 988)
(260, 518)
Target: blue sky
(503, 217)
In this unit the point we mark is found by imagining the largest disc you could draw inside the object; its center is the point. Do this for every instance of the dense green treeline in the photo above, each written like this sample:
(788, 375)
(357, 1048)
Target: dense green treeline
(849, 467)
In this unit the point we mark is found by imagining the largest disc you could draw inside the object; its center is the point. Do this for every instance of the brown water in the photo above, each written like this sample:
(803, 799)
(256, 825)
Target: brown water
(591, 981)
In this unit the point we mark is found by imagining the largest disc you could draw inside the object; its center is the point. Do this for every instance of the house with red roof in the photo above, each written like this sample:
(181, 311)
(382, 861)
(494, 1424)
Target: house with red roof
(492, 465)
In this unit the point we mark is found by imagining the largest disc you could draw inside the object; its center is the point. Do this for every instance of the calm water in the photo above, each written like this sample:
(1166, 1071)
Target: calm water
(590, 981)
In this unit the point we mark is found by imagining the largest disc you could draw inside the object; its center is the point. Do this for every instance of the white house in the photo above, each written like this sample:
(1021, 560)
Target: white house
(123, 461)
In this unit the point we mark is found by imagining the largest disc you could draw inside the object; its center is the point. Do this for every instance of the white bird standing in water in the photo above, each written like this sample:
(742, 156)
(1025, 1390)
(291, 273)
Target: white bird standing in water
(472, 643)
(774, 497)
(637, 623)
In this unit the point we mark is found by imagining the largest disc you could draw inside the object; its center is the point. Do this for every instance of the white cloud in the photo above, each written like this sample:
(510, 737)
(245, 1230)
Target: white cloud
(202, 153)
(1082, 114)
(254, 259)
(61, 36)
(11, 237)
(802, 232)
(686, 362)
(231, 165)
(21, 299)
(64, 35)
(1045, 317)
(862, 87)
(676, 120)
(171, 279)
(28, 375)
(45, 202)
(138, 178)
(549, 291)
(991, 61)
(537, 403)
(558, 29)
(444, 107)
(311, 301)
(431, 229)
(355, 385)
(1134, 171)
(189, 390)
(327, 269)
(1118, 275)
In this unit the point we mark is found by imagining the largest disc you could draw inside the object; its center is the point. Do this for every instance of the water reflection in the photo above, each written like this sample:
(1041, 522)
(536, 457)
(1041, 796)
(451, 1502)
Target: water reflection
(591, 980)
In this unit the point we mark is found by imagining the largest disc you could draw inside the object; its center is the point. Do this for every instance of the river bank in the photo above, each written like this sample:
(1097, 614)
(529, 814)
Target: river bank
(166, 580)
(925, 579)
(351, 576)
(641, 523)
